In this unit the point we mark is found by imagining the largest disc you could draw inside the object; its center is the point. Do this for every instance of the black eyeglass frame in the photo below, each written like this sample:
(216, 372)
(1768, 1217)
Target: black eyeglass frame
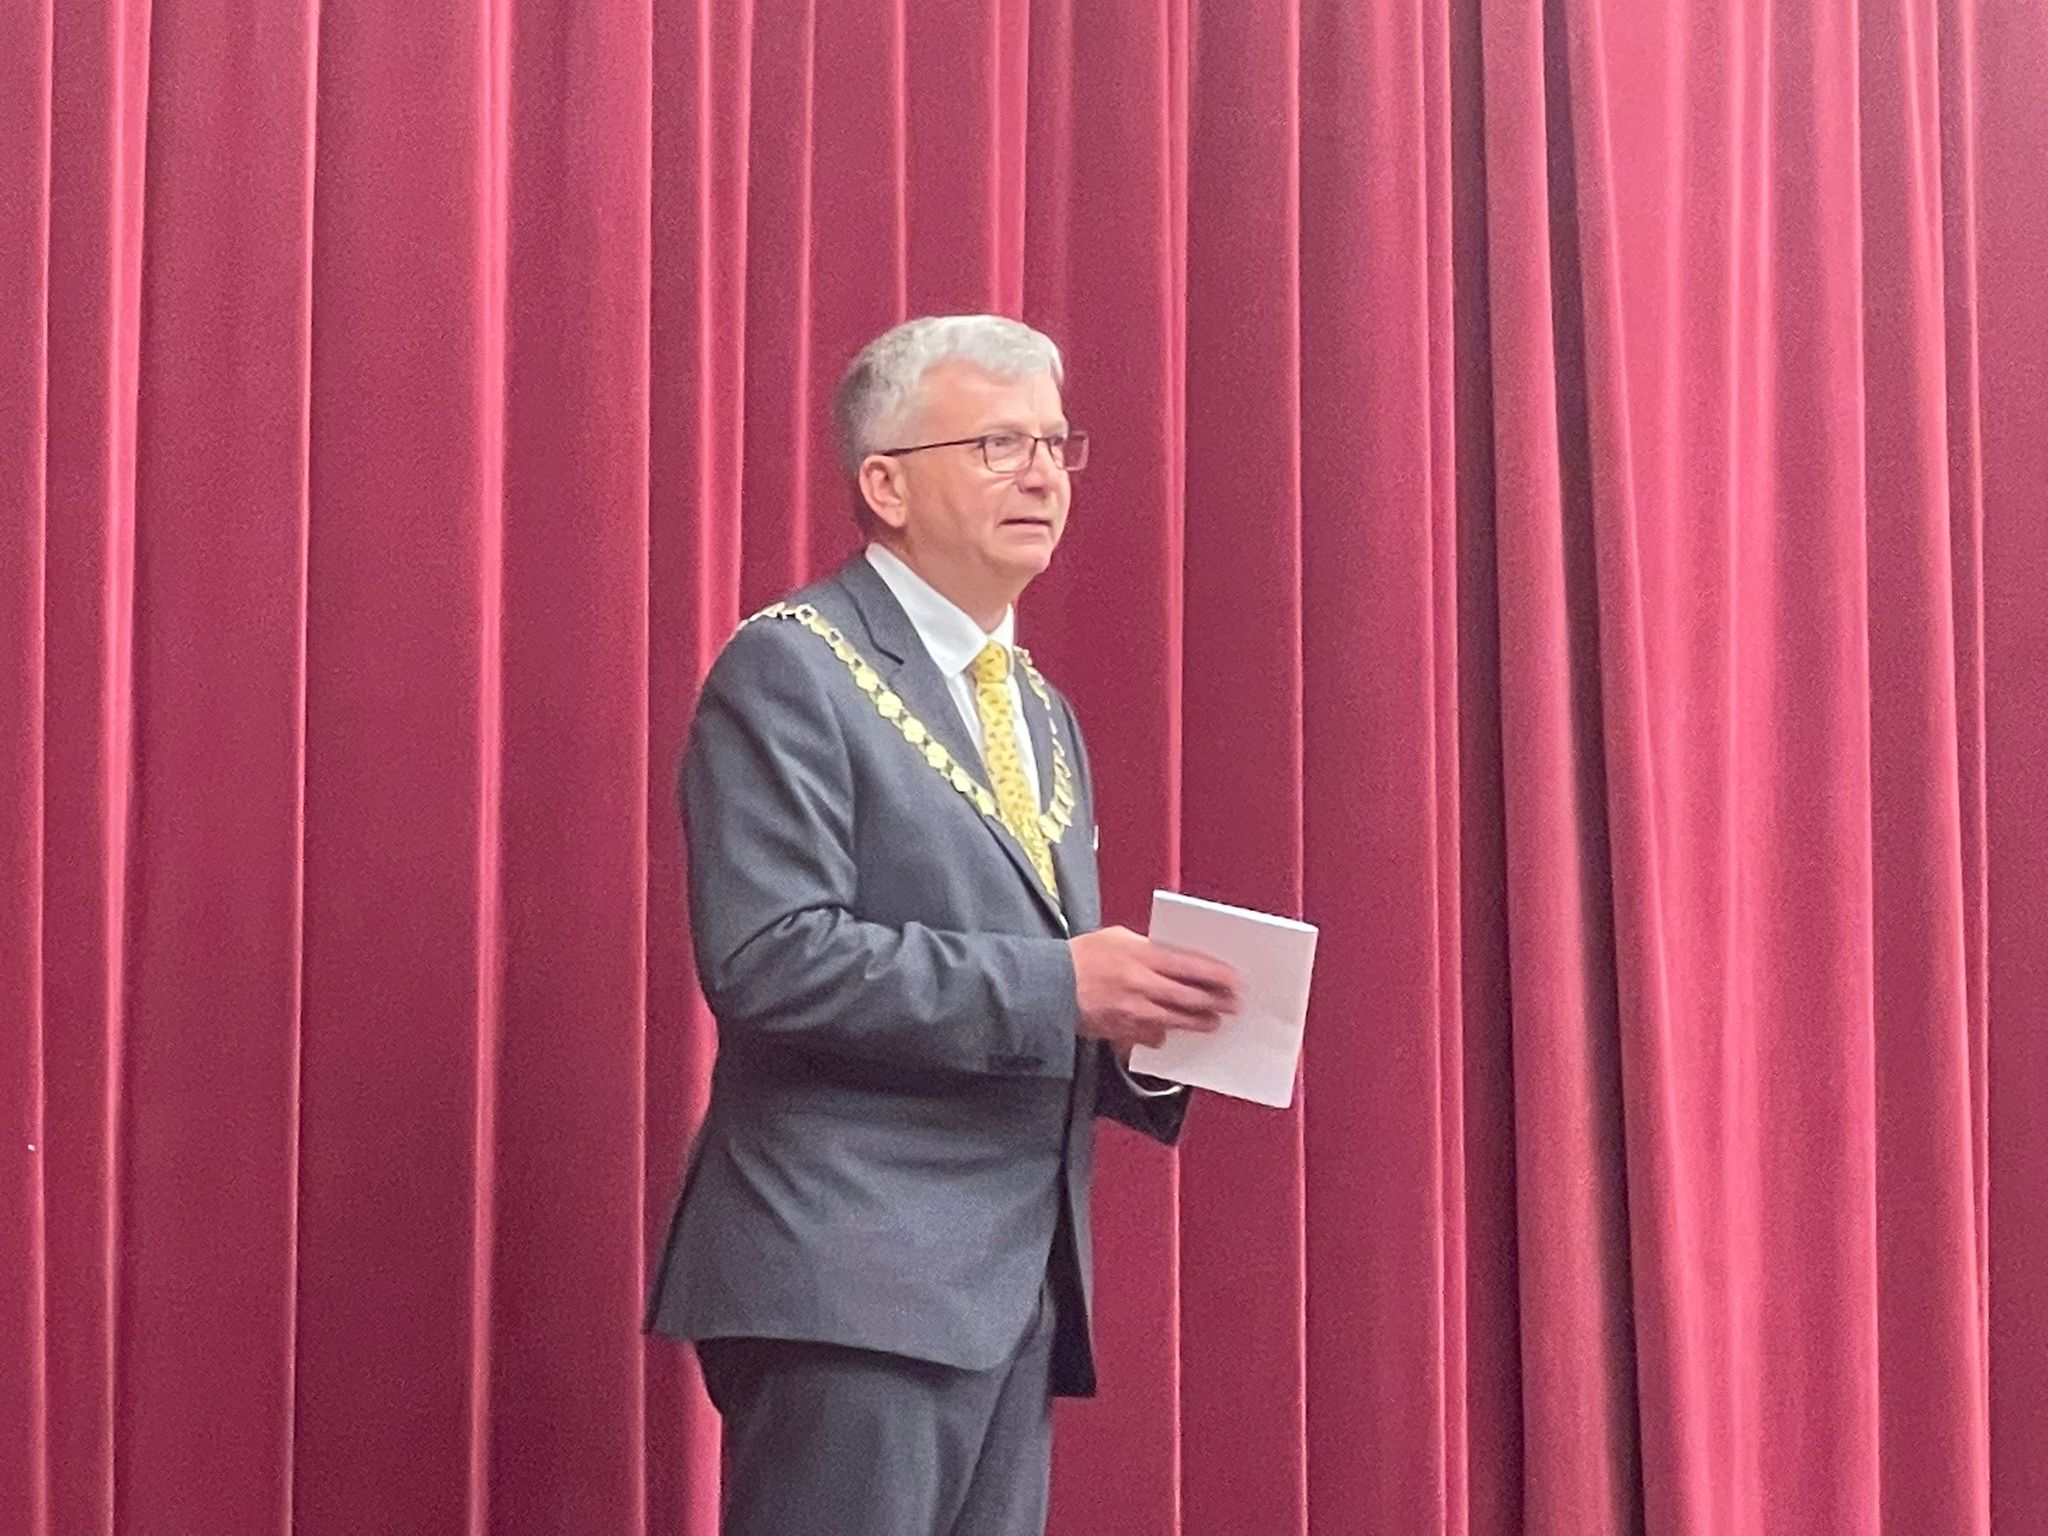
(1059, 448)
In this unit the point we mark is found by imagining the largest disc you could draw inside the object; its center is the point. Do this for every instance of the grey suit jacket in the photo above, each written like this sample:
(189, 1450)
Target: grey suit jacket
(897, 1149)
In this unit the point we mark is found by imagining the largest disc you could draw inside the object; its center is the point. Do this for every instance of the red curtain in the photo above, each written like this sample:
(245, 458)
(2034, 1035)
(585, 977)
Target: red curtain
(1570, 520)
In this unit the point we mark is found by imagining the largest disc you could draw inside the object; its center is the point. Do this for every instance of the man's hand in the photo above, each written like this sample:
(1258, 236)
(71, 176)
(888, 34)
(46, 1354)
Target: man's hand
(1132, 991)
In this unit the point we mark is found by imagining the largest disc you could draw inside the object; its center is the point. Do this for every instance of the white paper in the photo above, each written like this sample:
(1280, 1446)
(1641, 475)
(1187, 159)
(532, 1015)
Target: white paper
(1254, 1055)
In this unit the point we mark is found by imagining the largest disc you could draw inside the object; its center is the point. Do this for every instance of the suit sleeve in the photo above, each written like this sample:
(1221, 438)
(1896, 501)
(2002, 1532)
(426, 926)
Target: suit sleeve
(768, 811)
(1120, 1096)
(1148, 1105)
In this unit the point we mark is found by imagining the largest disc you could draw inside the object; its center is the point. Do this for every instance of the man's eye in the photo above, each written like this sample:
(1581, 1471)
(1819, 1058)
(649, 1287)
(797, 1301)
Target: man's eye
(1004, 442)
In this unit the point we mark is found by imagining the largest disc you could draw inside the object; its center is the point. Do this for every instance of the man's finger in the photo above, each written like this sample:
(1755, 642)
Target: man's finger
(1192, 968)
(1178, 997)
(1203, 1019)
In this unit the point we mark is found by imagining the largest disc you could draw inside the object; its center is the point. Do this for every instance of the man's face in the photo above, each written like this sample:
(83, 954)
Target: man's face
(987, 532)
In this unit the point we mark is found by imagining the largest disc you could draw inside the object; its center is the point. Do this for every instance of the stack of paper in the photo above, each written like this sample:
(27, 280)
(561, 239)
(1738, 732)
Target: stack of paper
(1254, 1055)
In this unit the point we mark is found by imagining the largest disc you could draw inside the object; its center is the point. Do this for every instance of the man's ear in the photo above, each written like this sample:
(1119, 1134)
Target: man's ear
(882, 488)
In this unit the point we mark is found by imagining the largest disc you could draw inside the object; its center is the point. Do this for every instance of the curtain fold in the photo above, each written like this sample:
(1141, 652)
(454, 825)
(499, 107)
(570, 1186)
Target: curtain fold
(1568, 520)
(2011, 231)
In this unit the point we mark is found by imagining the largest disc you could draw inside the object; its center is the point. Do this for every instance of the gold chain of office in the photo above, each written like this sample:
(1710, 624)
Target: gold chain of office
(1053, 822)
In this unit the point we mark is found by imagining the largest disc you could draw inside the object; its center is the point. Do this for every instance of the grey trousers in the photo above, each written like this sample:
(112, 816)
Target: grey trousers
(822, 1440)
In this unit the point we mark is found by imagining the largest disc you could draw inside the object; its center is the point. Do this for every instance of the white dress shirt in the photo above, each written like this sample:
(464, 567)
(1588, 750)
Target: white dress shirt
(954, 640)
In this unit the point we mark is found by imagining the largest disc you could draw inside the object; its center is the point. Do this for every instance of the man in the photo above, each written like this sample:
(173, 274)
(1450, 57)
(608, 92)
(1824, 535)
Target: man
(882, 1244)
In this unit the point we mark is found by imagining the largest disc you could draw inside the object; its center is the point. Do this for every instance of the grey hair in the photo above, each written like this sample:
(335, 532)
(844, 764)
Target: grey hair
(878, 395)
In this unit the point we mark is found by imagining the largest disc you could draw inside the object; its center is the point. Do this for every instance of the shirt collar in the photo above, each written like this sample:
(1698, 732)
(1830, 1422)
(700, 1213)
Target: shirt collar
(951, 638)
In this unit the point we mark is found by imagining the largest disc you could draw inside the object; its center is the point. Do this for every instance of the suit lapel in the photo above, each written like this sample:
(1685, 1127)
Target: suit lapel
(923, 690)
(907, 667)
(1072, 856)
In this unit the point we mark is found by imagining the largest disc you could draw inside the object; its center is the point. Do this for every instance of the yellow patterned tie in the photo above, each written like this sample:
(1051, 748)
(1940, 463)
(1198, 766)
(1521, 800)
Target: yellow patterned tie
(1005, 770)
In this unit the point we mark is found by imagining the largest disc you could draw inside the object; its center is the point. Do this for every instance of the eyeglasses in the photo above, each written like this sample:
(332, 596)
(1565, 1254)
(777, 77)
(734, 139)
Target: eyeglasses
(1007, 453)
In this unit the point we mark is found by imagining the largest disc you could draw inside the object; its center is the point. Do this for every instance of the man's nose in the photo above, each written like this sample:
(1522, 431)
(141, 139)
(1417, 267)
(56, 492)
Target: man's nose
(1039, 469)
